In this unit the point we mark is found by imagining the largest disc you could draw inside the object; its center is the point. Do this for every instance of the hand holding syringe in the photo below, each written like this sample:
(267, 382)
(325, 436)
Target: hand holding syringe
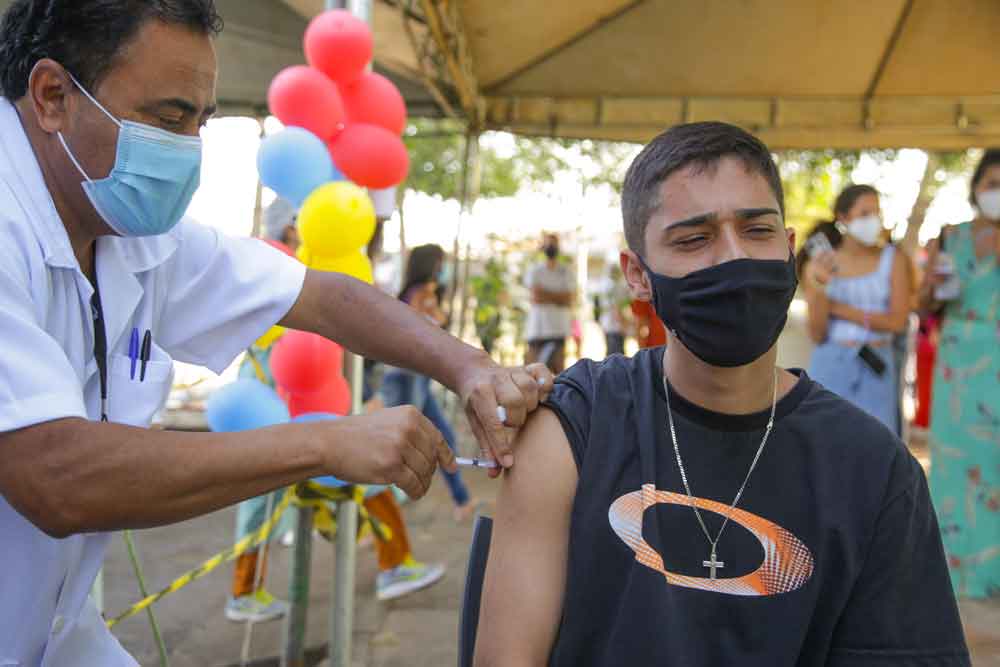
(483, 462)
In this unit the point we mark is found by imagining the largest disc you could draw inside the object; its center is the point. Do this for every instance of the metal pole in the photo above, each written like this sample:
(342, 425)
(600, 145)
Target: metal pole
(342, 617)
(293, 653)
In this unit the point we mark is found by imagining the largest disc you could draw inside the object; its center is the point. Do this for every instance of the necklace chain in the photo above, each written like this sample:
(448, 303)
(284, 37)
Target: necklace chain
(739, 494)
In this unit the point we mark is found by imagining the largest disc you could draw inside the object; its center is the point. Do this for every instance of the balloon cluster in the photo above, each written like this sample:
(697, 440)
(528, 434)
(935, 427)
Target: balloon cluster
(342, 122)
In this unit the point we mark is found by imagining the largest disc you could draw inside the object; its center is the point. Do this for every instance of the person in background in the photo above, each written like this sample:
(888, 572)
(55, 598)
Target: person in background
(277, 223)
(550, 318)
(962, 283)
(423, 286)
(649, 330)
(613, 302)
(858, 300)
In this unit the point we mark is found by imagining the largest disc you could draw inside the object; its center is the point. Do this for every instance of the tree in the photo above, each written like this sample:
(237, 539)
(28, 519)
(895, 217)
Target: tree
(437, 149)
(941, 167)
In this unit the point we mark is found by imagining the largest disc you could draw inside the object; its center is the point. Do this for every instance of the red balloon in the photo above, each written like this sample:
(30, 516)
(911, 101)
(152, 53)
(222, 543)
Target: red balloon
(371, 156)
(303, 97)
(303, 362)
(280, 246)
(374, 99)
(339, 44)
(333, 398)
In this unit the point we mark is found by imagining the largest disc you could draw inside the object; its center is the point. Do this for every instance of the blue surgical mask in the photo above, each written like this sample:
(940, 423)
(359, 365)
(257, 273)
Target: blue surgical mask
(444, 275)
(154, 178)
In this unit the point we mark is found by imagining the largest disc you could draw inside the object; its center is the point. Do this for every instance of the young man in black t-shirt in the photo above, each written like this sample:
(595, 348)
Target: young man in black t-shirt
(695, 505)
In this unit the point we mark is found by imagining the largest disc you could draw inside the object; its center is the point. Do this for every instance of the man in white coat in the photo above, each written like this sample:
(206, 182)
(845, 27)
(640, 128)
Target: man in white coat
(99, 157)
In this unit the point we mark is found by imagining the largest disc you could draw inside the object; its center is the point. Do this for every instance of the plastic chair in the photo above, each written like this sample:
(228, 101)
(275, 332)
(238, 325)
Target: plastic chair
(482, 532)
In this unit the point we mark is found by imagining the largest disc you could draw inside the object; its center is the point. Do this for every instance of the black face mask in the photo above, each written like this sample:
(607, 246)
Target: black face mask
(551, 251)
(730, 314)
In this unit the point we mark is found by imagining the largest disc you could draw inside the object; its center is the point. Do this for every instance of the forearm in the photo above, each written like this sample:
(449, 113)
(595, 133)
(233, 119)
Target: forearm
(883, 322)
(376, 326)
(818, 313)
(71, 475)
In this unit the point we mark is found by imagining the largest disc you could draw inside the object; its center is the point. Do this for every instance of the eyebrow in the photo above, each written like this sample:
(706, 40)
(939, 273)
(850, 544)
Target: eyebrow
(184, 105)
(741, 213)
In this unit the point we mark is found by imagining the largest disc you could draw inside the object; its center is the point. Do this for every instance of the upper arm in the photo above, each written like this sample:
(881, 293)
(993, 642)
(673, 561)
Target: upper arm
(526, 571)
(222, 294)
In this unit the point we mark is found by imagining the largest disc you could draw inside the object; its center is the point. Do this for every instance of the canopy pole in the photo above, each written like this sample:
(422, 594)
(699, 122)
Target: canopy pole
(342, 613)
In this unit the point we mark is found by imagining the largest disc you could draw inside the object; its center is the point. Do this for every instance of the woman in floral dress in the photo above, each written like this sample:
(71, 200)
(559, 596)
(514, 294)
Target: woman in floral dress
(965, 417)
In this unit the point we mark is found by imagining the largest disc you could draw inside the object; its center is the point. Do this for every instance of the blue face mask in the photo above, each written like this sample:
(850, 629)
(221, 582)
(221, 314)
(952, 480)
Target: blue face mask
(444, 275)
(154, 178)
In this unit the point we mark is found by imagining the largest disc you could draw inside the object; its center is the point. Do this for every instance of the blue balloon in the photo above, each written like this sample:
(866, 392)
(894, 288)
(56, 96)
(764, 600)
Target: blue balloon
(294, 162)
(243, 405)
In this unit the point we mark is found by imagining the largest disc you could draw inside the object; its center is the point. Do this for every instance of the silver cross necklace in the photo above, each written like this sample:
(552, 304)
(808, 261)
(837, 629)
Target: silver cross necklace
(714, 564)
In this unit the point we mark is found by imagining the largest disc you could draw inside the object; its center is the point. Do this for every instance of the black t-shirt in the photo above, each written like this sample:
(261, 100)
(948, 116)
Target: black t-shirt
(833, 556)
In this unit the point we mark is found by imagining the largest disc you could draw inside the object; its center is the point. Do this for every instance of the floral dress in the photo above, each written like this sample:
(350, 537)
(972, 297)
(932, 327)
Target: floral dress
(965, 422)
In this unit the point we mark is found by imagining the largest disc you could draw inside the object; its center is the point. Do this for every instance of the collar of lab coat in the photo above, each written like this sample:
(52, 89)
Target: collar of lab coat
(119, 259)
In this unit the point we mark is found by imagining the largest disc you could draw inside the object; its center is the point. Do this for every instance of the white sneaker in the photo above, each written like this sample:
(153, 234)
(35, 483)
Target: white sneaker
(257, 607)
(406, 579)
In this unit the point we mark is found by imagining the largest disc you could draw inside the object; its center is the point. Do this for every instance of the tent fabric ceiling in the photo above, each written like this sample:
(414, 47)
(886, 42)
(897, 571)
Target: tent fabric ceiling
(800, 73)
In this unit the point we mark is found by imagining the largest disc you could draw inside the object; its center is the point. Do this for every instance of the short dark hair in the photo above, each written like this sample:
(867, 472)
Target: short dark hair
(698, 144)
(84, 36)
(990, 158)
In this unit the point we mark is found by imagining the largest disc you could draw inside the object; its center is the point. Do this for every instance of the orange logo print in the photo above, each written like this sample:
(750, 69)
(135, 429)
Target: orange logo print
(788, 563)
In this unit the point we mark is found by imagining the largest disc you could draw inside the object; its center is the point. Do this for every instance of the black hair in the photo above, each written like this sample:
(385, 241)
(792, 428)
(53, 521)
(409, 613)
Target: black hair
(827, 228)
(848, 197)
(700, 144)
(84, 36)
(422, 266)
(991, 157)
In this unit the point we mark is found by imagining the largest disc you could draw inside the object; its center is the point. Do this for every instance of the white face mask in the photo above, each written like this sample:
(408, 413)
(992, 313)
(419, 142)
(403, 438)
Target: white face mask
(989, 204)
(866, 230)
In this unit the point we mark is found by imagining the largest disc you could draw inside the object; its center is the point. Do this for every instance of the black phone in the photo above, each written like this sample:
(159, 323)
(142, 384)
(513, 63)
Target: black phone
(872, 360)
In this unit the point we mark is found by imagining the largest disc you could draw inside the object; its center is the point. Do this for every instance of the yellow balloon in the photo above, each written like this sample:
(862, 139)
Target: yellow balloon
(305, 256)
(357, 265)
(336, 220)
(271, 335)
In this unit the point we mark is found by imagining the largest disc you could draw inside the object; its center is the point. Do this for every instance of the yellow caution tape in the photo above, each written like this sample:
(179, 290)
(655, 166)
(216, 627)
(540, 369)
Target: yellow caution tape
(306, 494)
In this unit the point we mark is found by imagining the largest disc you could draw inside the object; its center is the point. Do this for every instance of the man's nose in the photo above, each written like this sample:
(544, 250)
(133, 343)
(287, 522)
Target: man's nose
(730, 245)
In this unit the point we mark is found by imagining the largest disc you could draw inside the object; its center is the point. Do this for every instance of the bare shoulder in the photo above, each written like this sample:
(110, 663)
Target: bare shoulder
(544, 462)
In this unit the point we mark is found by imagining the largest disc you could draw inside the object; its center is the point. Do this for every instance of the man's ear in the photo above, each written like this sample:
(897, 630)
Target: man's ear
(48, 95)
(635, 276)
(790, 232)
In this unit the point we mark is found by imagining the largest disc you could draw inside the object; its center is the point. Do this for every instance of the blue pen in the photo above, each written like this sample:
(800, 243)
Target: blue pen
(133, 350)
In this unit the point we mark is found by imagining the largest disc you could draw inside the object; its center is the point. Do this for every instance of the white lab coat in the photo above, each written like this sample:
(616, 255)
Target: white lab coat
(203, 296)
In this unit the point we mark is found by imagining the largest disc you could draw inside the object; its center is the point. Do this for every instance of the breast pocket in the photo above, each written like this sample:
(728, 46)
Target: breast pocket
(135, 399)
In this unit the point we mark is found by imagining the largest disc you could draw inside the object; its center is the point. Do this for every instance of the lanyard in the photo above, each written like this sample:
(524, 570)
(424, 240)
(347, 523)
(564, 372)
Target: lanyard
(100, 345)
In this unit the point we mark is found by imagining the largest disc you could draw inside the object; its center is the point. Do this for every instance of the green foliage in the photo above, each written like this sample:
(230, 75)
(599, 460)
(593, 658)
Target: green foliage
(437, 149)
(489, 290)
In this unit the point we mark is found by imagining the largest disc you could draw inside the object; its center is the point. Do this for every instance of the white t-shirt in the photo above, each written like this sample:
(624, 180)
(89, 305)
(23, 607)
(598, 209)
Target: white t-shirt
(204, 298)
(547, 320)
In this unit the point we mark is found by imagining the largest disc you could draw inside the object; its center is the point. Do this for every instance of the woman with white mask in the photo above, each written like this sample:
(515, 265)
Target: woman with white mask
(963, 284)
(859, 298)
